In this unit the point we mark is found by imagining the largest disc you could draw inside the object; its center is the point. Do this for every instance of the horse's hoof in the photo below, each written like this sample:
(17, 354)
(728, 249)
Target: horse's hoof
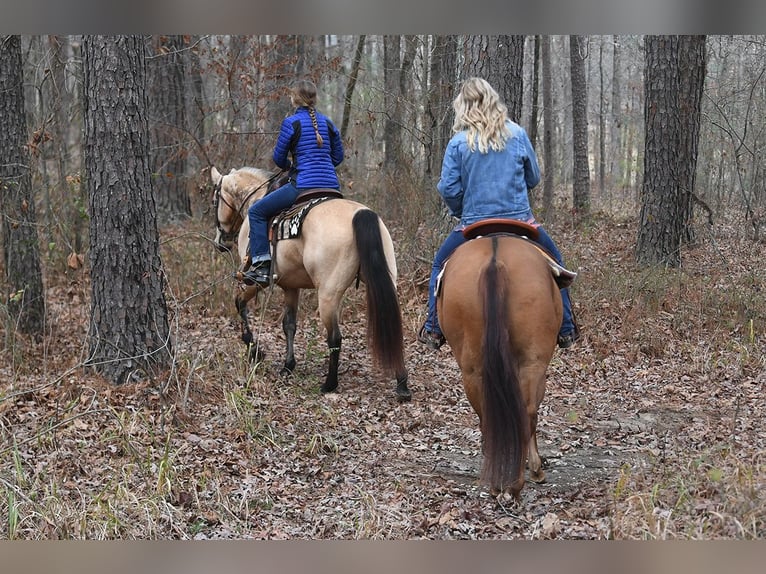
(403, 396)
(255, 355)
(538, 477)
(288, 368)
(328, 388)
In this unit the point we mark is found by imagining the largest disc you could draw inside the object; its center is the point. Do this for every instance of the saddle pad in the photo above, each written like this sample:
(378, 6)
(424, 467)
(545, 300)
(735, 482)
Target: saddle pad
(288, 224)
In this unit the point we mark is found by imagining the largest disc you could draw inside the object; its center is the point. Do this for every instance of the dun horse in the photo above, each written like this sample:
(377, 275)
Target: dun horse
(500, 310)
(340, 242)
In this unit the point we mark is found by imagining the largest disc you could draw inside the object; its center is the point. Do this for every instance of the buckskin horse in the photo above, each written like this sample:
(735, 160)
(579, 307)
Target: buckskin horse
(340, 242)
(500, 310)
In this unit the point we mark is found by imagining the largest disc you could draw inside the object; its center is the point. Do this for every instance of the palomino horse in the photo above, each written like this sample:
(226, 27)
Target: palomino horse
(341, 242)
(500, 310)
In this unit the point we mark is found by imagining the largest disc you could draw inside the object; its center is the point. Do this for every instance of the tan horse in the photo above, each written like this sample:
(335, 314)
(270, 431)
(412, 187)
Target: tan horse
(500, 310)
(342, 241)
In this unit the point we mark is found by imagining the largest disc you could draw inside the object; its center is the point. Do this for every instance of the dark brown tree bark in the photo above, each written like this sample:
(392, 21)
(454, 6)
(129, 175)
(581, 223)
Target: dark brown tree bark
(170, 140)
(500, 61)
(692, 66)
(21, 249)
(602, 100)
(392, 131)
(578, 51)
(535, 111)
(439, 113)
(129, 334)
(659, 233)
(547, 213)
(351, 85)
(615, 138)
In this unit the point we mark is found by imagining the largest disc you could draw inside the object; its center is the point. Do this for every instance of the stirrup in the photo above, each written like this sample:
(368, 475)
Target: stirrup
(258, 274)
(431, 339)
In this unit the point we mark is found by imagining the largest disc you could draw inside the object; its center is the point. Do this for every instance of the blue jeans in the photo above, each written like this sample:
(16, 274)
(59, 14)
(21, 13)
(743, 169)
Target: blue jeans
(259, 214)
(455, 240)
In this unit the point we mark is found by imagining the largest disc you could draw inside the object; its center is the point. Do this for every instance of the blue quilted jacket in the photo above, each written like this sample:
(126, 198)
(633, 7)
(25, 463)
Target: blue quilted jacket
(312, 166)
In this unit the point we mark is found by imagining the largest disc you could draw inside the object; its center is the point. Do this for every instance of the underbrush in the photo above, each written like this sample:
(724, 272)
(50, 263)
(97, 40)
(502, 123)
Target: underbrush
(223, 447)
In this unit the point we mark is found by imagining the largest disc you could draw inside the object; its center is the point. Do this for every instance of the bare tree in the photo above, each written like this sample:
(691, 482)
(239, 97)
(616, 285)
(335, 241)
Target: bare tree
(547, 213)
(615, 138)
(168, 127)
(578, 51)
(351, 85)
(533, 118)
(691, 65)
(21, 249)
(441, 93)
(129, 333)
(659, 233)
(397, 68)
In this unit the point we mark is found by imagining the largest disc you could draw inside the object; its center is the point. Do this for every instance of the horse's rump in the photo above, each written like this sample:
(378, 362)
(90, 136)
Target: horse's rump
(503, 335)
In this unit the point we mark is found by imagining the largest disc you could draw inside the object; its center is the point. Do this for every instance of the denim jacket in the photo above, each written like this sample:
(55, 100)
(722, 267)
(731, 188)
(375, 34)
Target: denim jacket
(477, 185)
(312, 166)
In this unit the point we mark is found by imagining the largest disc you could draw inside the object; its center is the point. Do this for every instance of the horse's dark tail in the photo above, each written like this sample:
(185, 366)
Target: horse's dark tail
(384, 318)
(505, 426)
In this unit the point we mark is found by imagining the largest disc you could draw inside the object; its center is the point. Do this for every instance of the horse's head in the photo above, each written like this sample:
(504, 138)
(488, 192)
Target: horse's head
(228, 218)
(233, 193)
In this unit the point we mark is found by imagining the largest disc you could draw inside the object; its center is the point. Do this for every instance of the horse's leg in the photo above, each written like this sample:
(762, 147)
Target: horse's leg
(240, 301)
(534, 389)
(289, 326)
(328, 314)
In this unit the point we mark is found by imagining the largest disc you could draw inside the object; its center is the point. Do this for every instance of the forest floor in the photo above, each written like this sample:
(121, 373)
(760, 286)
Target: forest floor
(651, 427)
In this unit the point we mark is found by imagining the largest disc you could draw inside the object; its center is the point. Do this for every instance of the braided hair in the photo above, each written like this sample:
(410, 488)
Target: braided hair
(304, 94)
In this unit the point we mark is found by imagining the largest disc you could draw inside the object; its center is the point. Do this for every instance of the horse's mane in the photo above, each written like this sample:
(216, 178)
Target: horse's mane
(249, 179)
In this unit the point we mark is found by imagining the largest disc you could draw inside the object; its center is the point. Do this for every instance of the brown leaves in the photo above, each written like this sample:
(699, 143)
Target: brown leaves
(651, 425)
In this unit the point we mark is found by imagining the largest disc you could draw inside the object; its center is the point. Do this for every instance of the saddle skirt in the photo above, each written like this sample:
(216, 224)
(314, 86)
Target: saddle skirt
(515, 228)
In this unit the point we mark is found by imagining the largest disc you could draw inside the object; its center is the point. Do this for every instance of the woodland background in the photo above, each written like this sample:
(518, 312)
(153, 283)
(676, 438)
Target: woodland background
(652, 425)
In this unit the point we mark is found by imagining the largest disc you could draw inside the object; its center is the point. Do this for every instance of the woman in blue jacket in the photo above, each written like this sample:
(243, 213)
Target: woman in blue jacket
(314, 144)
(488, 166)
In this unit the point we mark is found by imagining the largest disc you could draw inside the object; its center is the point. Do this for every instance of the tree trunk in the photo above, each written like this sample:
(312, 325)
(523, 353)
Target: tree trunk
(195, 105)
(659, 233)
(692, 64)
(616, 123)
(169, 130)
(533, 118)
(500, 61)
(580, 167)
(129, 334)
(547, 213)
(392, 132)
(351, 85)
(601, 122)
(21, 248)
(439, 113)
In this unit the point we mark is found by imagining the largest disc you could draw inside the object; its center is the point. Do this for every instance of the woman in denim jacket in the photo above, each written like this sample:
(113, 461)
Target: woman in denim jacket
(488, 166)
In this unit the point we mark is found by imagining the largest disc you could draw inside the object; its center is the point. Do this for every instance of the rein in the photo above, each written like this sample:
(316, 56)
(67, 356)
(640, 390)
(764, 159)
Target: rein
(218, 197)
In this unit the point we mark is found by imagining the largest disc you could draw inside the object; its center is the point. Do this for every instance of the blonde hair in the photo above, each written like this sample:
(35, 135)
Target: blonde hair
(479, 111)
(304, 94)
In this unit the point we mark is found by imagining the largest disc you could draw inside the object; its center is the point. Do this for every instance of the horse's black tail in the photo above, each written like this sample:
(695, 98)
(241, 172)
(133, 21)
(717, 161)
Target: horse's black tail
(505, 426)
(384, 318)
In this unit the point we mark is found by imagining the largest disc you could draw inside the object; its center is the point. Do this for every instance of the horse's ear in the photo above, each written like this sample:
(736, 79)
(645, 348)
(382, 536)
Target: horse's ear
(215, 175)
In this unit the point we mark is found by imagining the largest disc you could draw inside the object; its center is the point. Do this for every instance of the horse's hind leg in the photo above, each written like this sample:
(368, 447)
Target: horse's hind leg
(289, 326)
(535, 389)
(328, 313)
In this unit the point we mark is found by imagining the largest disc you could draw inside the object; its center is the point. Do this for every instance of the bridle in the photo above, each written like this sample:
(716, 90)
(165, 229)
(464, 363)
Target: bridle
(225, 236)
(231, 236)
